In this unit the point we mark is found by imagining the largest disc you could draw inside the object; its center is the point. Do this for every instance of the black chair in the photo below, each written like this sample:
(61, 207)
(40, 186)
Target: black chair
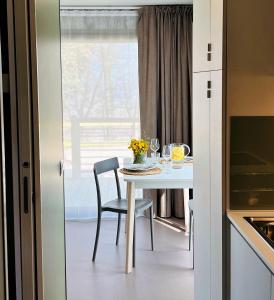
(191, 227)
(118, 205)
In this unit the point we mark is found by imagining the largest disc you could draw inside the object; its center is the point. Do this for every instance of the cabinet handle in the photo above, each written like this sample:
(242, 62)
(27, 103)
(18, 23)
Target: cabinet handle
(61, 167)
(209, 85)
(209, 51)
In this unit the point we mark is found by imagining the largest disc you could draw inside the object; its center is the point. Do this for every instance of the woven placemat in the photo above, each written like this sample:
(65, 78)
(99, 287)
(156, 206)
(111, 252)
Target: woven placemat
(141, 173)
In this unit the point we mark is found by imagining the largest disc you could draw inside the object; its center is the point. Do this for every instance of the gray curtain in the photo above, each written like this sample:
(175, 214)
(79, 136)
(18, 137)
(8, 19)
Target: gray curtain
(165, 79)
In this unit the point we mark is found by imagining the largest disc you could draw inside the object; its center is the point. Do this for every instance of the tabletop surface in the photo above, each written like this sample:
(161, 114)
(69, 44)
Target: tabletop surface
(167, 175)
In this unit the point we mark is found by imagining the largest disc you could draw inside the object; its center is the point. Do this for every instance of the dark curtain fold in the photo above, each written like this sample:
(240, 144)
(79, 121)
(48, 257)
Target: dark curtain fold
(165, 79)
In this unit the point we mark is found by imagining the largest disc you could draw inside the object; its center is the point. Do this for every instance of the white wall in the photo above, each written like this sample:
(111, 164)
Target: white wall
(121, 2)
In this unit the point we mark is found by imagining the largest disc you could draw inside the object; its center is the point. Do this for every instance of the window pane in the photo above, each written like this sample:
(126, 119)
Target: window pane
(101, 107)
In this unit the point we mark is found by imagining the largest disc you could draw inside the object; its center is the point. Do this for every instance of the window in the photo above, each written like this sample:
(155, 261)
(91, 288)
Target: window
(100, 98)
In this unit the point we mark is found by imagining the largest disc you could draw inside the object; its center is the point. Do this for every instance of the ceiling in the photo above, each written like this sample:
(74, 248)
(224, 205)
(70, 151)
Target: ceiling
(122, 2)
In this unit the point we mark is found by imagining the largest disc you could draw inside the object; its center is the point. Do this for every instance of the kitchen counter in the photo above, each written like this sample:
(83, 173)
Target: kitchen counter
(253, 238)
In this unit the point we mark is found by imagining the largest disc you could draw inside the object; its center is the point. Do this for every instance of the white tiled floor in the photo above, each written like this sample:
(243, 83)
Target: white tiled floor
(165, 274)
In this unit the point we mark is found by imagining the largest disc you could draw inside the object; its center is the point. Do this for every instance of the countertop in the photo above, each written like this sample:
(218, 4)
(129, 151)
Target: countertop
(253, 238)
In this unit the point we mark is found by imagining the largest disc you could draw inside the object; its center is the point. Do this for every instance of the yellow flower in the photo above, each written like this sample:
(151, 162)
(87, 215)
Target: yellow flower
(138, 146)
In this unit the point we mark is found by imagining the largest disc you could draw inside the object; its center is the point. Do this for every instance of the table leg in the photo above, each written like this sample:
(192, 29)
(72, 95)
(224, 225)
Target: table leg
(186, 207)
(130, 225)
(126, 224)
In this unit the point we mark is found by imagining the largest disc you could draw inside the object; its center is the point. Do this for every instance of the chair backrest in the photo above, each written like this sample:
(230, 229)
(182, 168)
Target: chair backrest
(105, 166)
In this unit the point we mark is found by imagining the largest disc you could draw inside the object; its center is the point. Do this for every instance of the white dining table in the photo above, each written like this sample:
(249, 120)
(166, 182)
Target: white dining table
(167, 179)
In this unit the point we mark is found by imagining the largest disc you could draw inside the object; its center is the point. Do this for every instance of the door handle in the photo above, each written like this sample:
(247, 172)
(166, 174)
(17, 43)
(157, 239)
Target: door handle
(61, 167)
(26, 195)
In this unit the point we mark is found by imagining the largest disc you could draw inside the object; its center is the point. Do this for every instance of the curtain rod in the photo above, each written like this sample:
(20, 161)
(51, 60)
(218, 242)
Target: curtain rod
(101, 7)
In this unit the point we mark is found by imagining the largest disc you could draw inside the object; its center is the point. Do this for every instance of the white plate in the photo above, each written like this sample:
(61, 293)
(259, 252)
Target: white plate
(139, 167)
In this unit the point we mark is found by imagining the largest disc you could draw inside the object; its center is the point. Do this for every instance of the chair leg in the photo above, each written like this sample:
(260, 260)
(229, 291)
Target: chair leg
(97, 236)
(151, 227)
(118, 229)
(190, 231)
(134, 243)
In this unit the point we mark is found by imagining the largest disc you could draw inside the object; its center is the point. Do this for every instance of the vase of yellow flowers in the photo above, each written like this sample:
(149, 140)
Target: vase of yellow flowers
(139, 148)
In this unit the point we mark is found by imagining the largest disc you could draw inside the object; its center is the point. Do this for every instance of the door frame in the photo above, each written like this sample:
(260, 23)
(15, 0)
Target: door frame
(3, 277)
(20, 80)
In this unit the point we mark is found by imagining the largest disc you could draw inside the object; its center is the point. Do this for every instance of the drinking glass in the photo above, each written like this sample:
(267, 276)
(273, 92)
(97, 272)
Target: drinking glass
(166, 153)
(166, 156)
(154, 145)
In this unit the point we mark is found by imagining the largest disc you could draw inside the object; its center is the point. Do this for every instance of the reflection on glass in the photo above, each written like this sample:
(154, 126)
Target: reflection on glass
(252, 163)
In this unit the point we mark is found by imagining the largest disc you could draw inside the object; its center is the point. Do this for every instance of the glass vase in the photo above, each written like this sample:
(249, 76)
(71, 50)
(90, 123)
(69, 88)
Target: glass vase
(139, 158)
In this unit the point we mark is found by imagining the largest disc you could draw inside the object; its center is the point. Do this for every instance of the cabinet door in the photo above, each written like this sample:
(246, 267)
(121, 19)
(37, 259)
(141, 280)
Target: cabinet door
(201, 35)
(216, 26)
(201, 189)
(216, 204)
(249, 277)
(207, 29)
(207, 149)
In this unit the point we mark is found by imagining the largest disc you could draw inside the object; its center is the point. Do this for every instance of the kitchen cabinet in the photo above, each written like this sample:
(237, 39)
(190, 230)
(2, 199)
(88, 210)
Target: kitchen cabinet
(207, 147)
(207, 150)
(207, 35)
(216, 203)
(249, 277)
(201, 184)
